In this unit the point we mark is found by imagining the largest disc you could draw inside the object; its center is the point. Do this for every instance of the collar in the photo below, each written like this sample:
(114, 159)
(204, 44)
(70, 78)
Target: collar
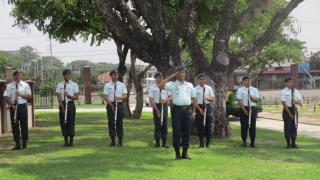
(178, 82)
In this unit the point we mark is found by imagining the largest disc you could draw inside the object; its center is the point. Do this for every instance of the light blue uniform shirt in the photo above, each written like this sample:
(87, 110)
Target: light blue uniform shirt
(242, 94)
(182, 94)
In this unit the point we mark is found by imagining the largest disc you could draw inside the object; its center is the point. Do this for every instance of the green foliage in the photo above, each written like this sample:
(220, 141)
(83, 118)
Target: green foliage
(63, 20)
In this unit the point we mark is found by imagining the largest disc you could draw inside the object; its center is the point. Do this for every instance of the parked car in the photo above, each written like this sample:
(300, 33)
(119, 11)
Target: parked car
(232, 104)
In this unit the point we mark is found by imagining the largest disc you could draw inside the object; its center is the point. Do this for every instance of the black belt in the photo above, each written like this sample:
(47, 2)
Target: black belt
(182, 107)
(161, 103)
(23, 104)
(251, 107)
(205, 104)
(117, 102)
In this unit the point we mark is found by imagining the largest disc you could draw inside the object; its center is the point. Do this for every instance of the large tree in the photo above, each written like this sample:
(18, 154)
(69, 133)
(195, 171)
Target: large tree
(157, 30)
(153, 29)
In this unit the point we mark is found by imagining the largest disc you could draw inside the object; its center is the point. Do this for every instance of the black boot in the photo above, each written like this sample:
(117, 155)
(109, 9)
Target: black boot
(294, 145)
(208, 143)
(24, 144)
(244, 143)
(252, 144)
(164, 143)
(288, 143)
(185, 154)
(113, 141)
(201, 142)
(120, 142)
(177, 150)
(71, 141)
(65, 141)
(157, 143)
(17, 146)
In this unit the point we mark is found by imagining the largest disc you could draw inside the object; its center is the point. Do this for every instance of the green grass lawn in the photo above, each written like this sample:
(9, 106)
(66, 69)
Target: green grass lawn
(91, 158)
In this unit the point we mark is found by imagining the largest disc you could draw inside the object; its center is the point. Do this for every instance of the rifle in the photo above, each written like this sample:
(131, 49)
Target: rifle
(16, 108)
(161, 119)
(65, 99)
(295, 110)
(249, 104)
(116, 105)
(204, 107)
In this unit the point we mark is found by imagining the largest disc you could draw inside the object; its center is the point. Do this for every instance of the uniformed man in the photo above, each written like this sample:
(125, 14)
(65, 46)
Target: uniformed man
(67, 92)
(159, 100)
(290, 97)
(115, 93)
(16, 95)
(248, 96)
(183, 99)
(204, 98)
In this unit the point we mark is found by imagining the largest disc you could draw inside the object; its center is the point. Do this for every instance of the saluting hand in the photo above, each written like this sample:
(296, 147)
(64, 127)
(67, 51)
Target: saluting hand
(18, 93)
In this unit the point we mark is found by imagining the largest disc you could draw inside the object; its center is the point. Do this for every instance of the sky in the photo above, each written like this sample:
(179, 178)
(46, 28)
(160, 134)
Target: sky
(306, 16)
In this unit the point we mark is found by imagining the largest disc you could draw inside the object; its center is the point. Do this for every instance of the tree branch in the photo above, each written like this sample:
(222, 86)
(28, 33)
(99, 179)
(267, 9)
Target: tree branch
(142, 73)
(248, 14)
(258, 43)
(140, 42)
(222, 37)
(194, 47)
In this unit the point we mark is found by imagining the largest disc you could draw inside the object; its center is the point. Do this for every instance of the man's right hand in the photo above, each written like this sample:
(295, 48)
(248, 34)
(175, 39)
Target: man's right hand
(158, 113)
(13, 106)
(246, 112)
(291, 116)
(61, 107)
(112, 107)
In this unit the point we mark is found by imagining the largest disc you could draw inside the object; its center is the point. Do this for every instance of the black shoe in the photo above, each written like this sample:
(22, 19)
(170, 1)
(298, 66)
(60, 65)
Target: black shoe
(66, 144)
(208, 143)
(120, 142)
(16, 147)
(252, 145)
(288, 143)
(165, 146)
(71, 142)
(294, 145)
(186, 156)
(113, 142)
(157, 145)
(177, 150)
(164, 143)
(24, 145)
(244, 144)
(201, 145)
(178, 157)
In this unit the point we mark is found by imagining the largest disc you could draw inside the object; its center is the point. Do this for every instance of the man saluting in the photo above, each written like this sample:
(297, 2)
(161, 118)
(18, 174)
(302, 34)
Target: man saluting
(183, 100)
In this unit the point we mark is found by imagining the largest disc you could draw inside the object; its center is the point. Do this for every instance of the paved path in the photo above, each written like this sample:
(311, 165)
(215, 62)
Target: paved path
(277, 125)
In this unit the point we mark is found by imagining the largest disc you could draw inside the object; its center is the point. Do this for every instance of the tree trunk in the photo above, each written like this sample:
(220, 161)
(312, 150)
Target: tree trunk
(127, 110)
(220, 124)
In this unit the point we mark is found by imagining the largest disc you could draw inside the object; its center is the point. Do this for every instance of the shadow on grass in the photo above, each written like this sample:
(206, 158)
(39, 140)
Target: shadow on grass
(91, 156)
